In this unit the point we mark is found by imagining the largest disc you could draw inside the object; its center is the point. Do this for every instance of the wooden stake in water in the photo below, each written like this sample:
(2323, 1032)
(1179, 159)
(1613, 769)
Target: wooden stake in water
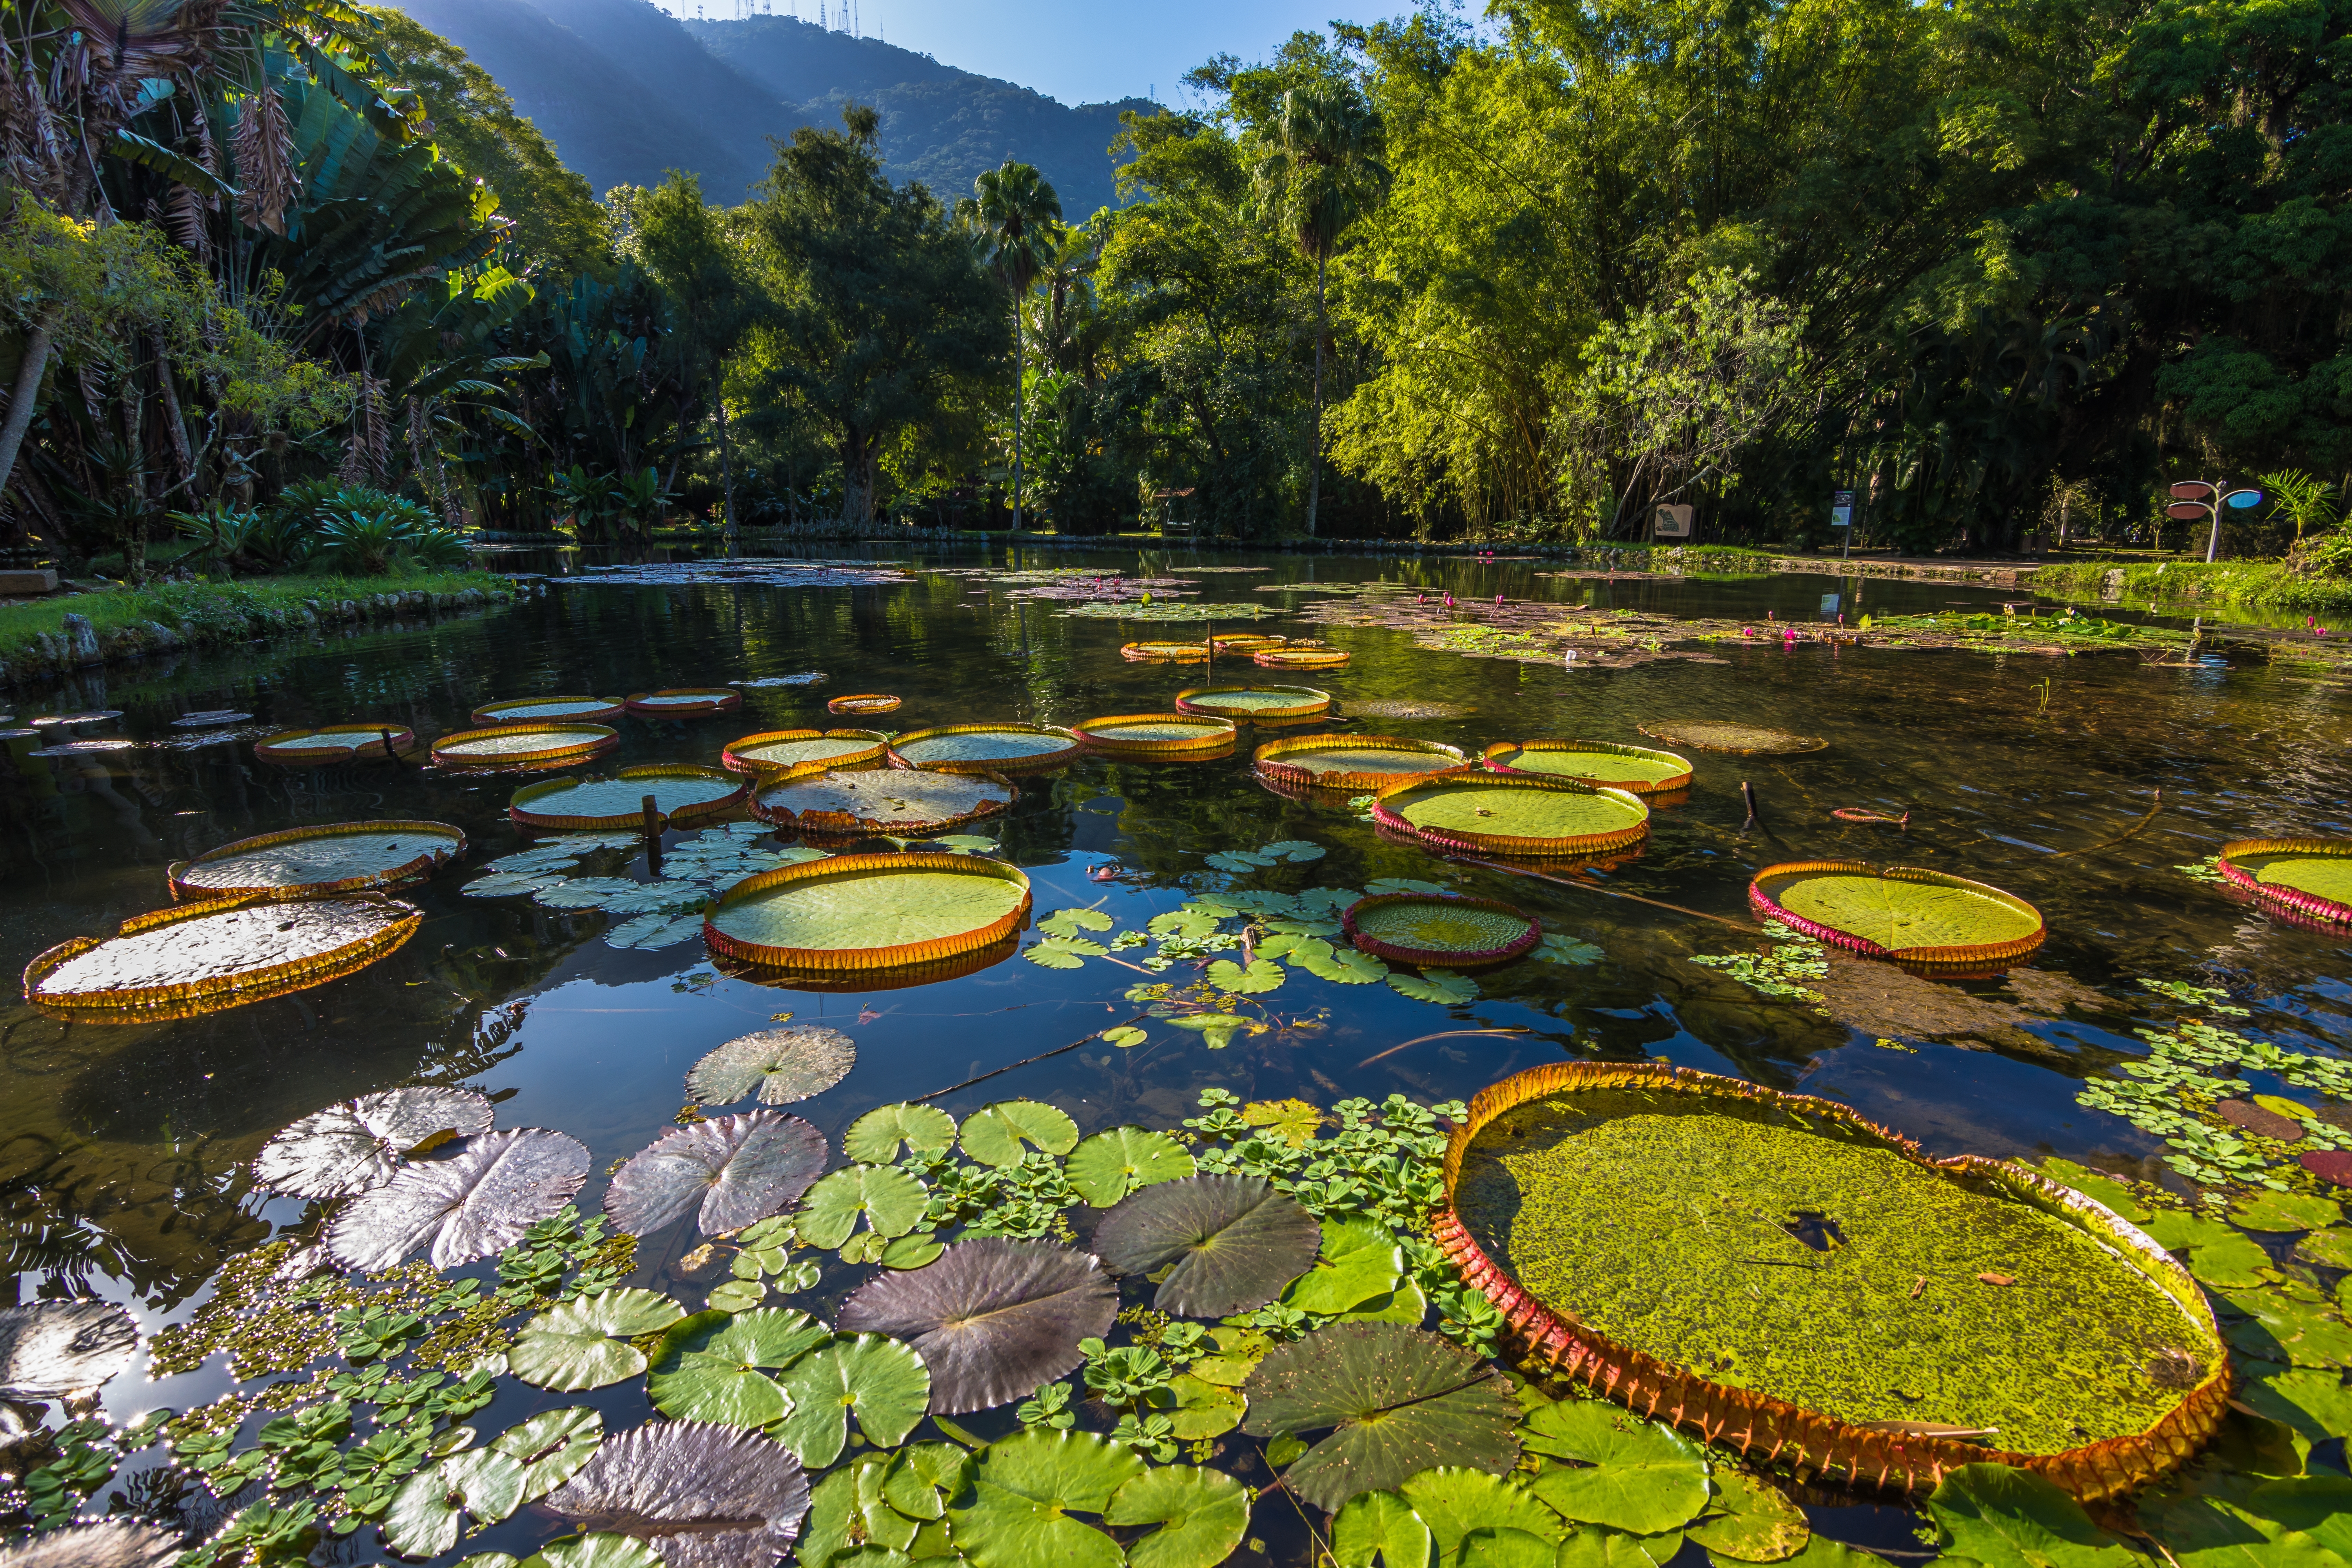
(390, 755)
(653, 836)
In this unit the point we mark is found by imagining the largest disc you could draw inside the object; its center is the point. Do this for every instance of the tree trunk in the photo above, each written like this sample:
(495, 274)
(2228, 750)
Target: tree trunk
(27, 390)
(1020, 396)
(726, 467)
(1315, 430)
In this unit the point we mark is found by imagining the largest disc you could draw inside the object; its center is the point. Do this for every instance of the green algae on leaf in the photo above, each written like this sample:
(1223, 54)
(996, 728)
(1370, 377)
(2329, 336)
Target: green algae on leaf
(1401, 1401)
(1679, 1231)
(1635, 1476)
(585, 1343)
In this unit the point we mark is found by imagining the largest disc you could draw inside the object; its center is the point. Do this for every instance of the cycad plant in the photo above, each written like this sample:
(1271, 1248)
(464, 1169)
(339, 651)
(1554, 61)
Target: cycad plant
(1022, 215)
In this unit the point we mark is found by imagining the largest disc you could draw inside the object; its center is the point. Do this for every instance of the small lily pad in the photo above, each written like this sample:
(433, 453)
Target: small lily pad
(1294, 1121)
(2286, 1211)
(586, 1344)
(1110, 1165)
(1344, 966)
(1228, 1243)
(1074, 922)
(1555, 949)
(700, 1496)
(428, 1510)
(1203, 1409)
(1456, 1502)
(1635, 1476)
(784, 1065)
(1298, 851)
(1440, 985)
(1258, 978)
(1380, 1529)
(1201, 1515)
(992, 1318)
(729, 1170)
(995, 1135)
(1124, 1035)
(891, 1201)
(875, 1137)
(550, 1448)
(708, 1367)
(1361, 1259)
(883, 1382)
(1749, 1520)
(1016, 1509)
(1063, 951)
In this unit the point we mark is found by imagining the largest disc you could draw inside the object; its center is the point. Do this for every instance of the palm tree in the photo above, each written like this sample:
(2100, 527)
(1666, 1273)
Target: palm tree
(1018, 210)
(1321, 177)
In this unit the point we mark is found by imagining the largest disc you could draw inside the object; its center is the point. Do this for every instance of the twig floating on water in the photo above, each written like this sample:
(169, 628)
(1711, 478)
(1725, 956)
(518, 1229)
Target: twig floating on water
(1025, 1061)
(1447, 1035)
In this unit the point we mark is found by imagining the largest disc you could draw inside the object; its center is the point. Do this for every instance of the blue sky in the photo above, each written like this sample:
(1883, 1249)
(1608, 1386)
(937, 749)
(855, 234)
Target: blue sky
(1076, 50)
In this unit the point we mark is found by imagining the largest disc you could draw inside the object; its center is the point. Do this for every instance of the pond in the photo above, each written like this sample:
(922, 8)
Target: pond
(2082, 784)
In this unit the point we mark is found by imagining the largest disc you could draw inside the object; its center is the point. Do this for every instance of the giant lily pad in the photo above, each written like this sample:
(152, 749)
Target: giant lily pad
(737, 1169)
(337, 857)
(701, 1495)
(1632, 1475)
(1110, 1165)
(1513, 814)
(1017, 1510)
(361, 1143)
(497, 747)
(681, 793)
(219, 954)
(1254, 702)
(709, 1367)
(684, 702)
(902, 801)
(334, 744)
(1172, 736)
(784, 1065)
(1448, 931)
(1356, 763)
(772, 754)
(477, 1198)
(986, 748)
(1839, 1271)
(995, 1134)
(871, 911)
(1201, 1516)
(2313, 876)
(585, 1343)
(1637, 770)
(1228, 1243)
(884, 1383)
(992, 1318)
(1903, 912)
(531, 709)
(1746, 740)
(50, 1349)
(1402, 1402)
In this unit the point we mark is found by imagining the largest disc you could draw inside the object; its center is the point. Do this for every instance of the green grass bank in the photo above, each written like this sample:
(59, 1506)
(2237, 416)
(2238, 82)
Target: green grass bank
(2192, 585)
(43, 638)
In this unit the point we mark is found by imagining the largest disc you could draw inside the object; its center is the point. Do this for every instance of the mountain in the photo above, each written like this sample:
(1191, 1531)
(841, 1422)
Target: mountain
(626, 91)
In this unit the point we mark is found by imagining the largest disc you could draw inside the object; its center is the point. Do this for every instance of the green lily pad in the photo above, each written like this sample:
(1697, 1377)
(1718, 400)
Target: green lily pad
(2209, 1532)
(1750, 1521)
(2329, 1249)
(915, 1249)
(550, 1448)
(1110, 1165)
(1500, 1546)
(1361, 1260)
(1381, 1528)
(995, 1134)
(2290, 1324)
(708, 1367)
(1202, 1409)
(1217, 1029)
(1298, 851)
(1237, 861)
(2218, 1254)
(1440, 985)
(924, 1477)
(736, 1294)
(1201, 1515)
(1401, 1401)
(1124, 1035)
(2316, 1506)
(1638, 1476)
(1405, 885)
(1555, 949)
(1074, 922)
(883, 1382)
(1454, 1501)
(598, 1549)
(2286, 1211)
(874, 1138)
(1228, 1244)
(2315, 1402)
(429, 1509)
(2013, 1519)
(1344, 966)
(848, 1510)
(1062, 953)
(1184, 922)
(891, 1201)
(585, 1344)
(1597, 1546)
(1260, 976)
(1023, 1490)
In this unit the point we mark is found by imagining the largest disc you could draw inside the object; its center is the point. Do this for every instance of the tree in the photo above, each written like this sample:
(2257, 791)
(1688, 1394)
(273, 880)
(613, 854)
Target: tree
(882, 313)
(1022, 215)
(1322, 173)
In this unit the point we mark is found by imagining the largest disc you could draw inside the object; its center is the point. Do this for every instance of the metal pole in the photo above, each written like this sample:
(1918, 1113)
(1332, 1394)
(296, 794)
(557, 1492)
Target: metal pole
(2213, 540)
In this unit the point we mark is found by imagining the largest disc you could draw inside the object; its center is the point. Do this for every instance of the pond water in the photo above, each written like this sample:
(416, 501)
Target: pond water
(125, 1150)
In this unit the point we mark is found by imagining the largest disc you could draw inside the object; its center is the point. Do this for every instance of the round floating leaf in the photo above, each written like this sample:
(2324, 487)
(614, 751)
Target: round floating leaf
(1345, 966)
(994, 1136)
(911, 1251)
(1233, 1243)
(477, 1199)
(1750, 1521)
(1259, 976)
(1361, 1260)
(1440, 985)
(1455, 1502)
(2316, 1403)
(1749, 740)
(884, 1382)
(1023, 1490)
(1237, 861)
(1555, 949)
(2286, 1211)
(1492, 1546)
(888, 1199)
(1062, 953)
(736, 1294)
(359, 1144)
(1596, 1546)
(847, 1509)
(550, 1448)
(585, 1343)
(1124, 1035)
(1294, 1121)
(992, 1318)
(49, 1349)
(1202, 1409)
(1110, 1165)
(1074, 922)
(737, 1169)
(2318, 1507)
(701, 1497)
(923, 1477)
(1383, 1527)
(428, 1512)
(2014, 1519)
(708, 1367)
(1898, 909)
(1401, 1401)
(1295, 850)
(1639, 1477)
(116, 1543)
(874, 1138)
(1201, 1515)
(784, 1065)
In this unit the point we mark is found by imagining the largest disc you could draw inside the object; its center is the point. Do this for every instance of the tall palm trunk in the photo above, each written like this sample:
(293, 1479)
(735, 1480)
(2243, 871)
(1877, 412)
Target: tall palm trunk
(1020, 396)
(726, 463)
(29, 371)
(1315, 431)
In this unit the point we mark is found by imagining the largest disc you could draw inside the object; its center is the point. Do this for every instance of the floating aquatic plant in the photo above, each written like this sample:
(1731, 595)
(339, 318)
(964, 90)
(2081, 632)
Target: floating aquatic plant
(524, 747)
(589, 1342)
(328, 743)
(477, 1197)
(362, 1144)
(1227, 1243)
(863, 702)
(871, 911)
(1930, 920)
(1744, 740)
(1253, 702)
(681, 793)
(684, 702)
(534, 710)
(339, 857)
(1352, 763)
(1445, 929)
(222, 953)
(1157, 735)
(783, 1065)
(731, 1170)
(772, 754)
(1512, 814)
(1001, 748)
(2310, 875)
(904, 802)
(701, 1495)
(1635, 769)
(992, 1318)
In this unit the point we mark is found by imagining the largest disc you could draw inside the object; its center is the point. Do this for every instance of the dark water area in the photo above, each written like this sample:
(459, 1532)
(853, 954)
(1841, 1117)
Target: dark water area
(124, 1149)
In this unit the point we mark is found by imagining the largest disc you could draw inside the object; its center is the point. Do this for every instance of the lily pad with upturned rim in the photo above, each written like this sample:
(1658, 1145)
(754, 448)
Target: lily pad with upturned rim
(1637, 770)
(1167, 736)
(475, 1199)
(733, 1169)
(495, 747)
(222, 953)
(869, 911)
(992, 1319)
(535, 709)
(682, 792)
(1903, 913)
(2313, 876)
(685, 703)
(784, 1065)
(1249, 704)
(772, 754)
(1229, 1244)
(901, 801)
(361, 1143)
(700, 1496)
(1744, 740)
(336, 857)
(1513, 814)
(863, 702)
(1448, 929)
(327, 743)
(1355, 764)
(1003, 748)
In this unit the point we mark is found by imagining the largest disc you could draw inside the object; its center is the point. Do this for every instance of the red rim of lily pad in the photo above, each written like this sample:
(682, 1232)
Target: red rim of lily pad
(863, 702)
(1351, 921)
(1205, 735)
(1273, 762)
(365, 741)
(1498, 757)
(848, 982)
(1631, 827)
(1060, 756)
(563, 744)
(2297, 899)
(438, 843)
(736, 757)
(1552, 1342)
(685, 701)
(1958, 959)
(522, 806)
(849, 868)
(578, 709)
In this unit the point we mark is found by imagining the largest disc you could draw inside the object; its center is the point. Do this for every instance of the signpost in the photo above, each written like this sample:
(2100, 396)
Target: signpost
(2193, 498)
(1842, 518)
(1670, 521)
